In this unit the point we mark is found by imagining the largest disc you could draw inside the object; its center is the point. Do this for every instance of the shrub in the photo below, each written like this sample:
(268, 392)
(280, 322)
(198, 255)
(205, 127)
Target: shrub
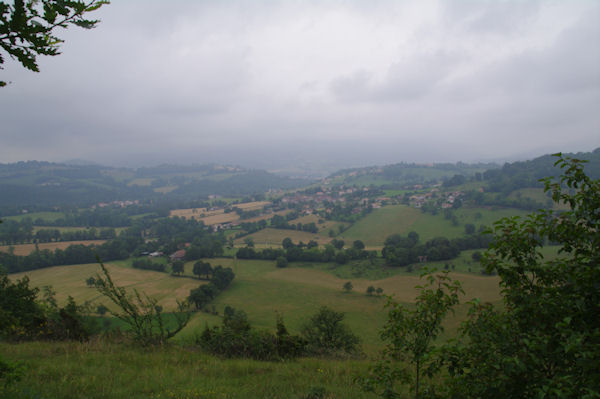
(282, 261)
(236, 338)
(23, 316)
(325, 334)
(141, 312)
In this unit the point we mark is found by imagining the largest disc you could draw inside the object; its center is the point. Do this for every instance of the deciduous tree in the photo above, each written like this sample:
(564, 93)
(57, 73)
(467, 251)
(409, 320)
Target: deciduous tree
(545, 341)
(27, 27)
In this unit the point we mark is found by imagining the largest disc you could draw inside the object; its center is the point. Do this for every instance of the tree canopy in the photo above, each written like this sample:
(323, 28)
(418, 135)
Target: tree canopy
(27, 27)
(544, 342)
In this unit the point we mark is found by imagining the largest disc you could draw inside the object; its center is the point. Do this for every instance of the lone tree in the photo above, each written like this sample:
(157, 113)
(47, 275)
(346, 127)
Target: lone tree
(325, 333)
(358, 244)
(178, 267)
(282, 261)
(348, 286)
(410, 335)
(27, 27)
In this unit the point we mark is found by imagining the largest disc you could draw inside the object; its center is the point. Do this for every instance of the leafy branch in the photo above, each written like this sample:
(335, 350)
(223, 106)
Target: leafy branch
(26, 27)
(141, 312)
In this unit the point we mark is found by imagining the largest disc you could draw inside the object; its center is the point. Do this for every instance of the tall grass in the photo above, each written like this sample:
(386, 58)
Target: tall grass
(101, 369)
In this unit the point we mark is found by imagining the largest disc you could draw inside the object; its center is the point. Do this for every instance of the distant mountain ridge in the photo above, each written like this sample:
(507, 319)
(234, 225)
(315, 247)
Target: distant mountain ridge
(48, 184)
(523, 174)
(511, 174)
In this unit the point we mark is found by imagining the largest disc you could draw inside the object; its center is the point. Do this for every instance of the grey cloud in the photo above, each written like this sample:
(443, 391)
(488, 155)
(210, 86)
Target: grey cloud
(226, 81)
(570, 64)
(490, 17)
(406, 80)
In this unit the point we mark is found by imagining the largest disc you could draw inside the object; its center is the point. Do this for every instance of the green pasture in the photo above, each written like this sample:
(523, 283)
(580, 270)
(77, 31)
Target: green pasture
(62, 229)
(262, 290)
(165, 189)
(273, 237)
(141, 181)
(399, 219)
(324, 226)
(49, 216)
(486, 216)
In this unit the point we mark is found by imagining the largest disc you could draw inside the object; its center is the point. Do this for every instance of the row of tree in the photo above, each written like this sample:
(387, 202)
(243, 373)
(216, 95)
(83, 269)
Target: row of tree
(307, 253)
(219, 280)
(13, 232)
(323, 334)
(117, 249)
(402, 251)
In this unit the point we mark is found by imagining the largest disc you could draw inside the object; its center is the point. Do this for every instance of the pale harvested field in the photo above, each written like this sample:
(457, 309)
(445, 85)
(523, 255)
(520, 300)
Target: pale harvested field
(70, 280)
(26, 249)
(265, 217)
(218, 219)
(251, 206)
(62, 229)
(164, 189)
(142, 181)
(219, 216)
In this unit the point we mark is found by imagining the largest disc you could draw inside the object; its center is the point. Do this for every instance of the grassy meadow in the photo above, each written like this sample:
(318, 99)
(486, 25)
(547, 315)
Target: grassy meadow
(219, 216)
(262, 291)
(99, 369)
(382, 223)
(270, 237)
(103, 369)
(49, 216)
(401, 219)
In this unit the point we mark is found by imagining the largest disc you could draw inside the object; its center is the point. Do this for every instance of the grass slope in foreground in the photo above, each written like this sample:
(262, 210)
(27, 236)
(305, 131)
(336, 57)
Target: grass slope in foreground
(261, 290)
(103, 370)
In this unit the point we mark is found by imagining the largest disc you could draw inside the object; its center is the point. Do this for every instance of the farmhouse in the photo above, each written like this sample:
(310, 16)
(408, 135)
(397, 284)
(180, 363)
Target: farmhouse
(178, 255)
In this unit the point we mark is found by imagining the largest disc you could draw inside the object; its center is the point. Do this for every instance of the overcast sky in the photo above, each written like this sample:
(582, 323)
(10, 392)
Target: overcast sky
(260, 82)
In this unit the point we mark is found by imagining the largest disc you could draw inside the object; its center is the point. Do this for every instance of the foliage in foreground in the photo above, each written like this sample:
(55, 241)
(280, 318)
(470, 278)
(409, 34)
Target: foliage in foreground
(141, 312)
(410, 332)
(26, 27)
(323, 334)
(24, 316)
(545, 342)
(236, 338)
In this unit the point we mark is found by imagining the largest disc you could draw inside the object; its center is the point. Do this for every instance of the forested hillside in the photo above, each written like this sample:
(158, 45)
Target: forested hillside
(42, 185)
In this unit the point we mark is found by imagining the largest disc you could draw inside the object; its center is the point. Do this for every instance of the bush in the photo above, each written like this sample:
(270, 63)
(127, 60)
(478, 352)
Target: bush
(325, 334)
(24, 317)
(141, 312)
(236, 338)
(282, 261)
(9, 374)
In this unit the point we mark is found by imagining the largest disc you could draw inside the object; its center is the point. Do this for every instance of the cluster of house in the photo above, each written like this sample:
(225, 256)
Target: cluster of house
(324, 199)
(121, 204)
(177, 255)
(446, 200)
